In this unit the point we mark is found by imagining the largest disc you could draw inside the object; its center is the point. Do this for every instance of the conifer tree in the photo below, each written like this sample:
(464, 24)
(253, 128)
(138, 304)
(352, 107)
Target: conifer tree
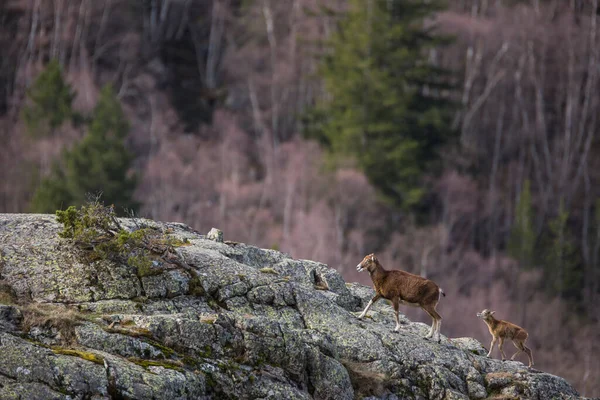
(99, 163)
(386, 104)
(49, 102)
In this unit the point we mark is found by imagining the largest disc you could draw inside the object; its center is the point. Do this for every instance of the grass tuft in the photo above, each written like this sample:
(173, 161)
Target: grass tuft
(61, 318)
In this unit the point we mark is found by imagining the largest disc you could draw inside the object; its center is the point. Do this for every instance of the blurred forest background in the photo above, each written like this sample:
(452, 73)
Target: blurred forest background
(459, 141)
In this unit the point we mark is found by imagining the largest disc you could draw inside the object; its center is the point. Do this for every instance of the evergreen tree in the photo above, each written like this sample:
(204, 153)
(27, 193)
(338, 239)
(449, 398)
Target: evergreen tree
(50, 99)
(521, 244)
(385, 105)
(99, 163)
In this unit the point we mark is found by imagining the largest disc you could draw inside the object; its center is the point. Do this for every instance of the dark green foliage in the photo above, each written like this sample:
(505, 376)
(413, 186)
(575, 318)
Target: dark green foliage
(99, 163)
(555, 251)
(562, 262)
(95, 228)
(50, 99)
(521, 244)
(387, 106)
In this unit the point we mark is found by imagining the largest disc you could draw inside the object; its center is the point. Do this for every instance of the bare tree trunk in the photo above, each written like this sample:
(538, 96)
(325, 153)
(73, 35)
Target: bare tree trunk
(572, 94)
(492, 188)
(101, 30)
(544, 185)
(588, 101)
(214, 44)
(184, 20)
(54, 46)
(288, 209)
(269, 24)
(35, 17)
(77, 38)
(268, 158)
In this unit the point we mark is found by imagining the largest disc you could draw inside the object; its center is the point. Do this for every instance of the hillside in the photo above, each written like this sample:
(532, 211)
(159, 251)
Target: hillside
(253, 323)
(261, 118)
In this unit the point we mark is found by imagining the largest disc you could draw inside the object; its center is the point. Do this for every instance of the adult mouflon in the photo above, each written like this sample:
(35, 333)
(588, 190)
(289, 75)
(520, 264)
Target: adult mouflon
(403, 287)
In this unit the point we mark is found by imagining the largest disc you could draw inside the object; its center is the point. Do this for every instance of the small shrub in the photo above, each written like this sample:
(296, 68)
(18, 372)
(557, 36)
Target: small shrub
(96, 229)
(143, 265)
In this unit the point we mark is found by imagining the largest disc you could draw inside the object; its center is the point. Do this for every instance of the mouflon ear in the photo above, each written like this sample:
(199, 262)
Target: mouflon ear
(492, 312)
(372, 257)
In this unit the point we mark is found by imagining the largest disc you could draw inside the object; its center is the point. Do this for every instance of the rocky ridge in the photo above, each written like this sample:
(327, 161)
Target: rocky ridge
(252, 324)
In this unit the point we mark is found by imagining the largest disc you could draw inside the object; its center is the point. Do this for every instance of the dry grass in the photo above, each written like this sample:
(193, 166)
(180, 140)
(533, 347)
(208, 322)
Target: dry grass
(61, 318)
(365, 381)
(209, 319)
(268, 270)
(7, 294)
(129, 330)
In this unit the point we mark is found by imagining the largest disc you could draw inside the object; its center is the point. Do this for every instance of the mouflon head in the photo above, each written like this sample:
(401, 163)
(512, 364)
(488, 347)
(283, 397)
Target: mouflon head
(369, 263)
(485, 314)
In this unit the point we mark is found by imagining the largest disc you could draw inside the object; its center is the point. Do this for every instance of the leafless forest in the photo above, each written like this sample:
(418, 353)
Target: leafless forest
(215, 91)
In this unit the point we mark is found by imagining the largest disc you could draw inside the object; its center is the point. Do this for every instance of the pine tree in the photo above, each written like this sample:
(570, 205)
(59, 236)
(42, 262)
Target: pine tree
(49, 102)
(100, 163)
(386, 106)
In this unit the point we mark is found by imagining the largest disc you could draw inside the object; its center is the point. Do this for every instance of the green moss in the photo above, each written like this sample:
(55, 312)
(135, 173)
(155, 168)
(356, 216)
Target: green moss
(95, 358)
(195, 287)
(169, 364)
(212, 303)
(140, 300)
(210, 380)
(167, 351)
(267, 270)
(191, 361)
(228, 366)
(206, 352)
(175, 242)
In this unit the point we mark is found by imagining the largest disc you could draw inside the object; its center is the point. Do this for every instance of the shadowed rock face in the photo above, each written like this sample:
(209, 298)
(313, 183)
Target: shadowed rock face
(254, 324)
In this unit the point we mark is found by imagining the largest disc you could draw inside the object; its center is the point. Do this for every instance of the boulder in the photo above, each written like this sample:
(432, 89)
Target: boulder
(235, 321)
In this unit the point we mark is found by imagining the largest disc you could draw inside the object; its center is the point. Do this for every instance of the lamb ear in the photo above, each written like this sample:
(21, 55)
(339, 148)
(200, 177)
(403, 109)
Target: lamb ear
(492, 312)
